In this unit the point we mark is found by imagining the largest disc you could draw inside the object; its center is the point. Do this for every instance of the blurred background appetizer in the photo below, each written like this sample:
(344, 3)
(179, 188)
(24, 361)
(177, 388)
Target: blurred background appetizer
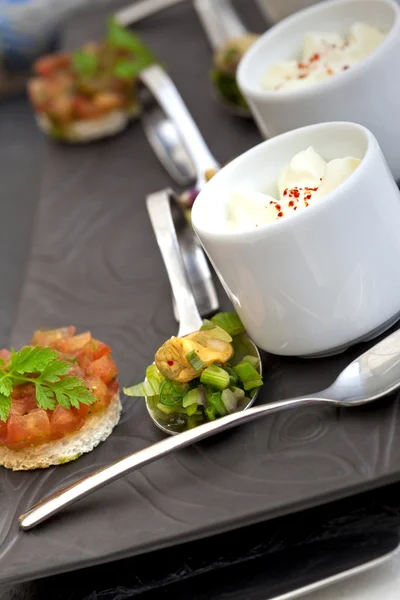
(90, 93)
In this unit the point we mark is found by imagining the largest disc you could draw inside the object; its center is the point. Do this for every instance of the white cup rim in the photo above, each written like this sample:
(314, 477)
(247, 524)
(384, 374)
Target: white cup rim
(255, 91)
(291, 221)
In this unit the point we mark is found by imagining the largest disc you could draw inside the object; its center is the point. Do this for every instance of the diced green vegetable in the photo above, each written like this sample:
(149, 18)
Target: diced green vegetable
(233, 376)
(228, 88)
(154, 377)
(207, 324)
(248, 375)
(170, 410)
(191, 409)
(210, 412)
(230, 322)
(215, 377)
(172, 392)
(195, 361)
(144, 389)
(253, 360)
(192, 397)
(231, 398)
(215, 400)
(220, 334)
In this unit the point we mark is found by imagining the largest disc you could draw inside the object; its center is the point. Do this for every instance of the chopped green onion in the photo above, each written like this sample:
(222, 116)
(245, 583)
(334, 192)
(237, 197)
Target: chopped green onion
(210, 412)
(231, 398)
(215, 377)
(195, 361)
(233, 376)
(170, 410)
(172, 392)
(230, 322)
(248, 375)
(216, 402)
(191, 410)
(218, 333)
(154, 377)
(192, 397)
(207, 325)
(144, 389)
(253, 360)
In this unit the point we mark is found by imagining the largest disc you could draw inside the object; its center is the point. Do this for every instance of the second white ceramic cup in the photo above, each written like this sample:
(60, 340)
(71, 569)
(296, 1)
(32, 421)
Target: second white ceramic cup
(368, 93)
(318, 281)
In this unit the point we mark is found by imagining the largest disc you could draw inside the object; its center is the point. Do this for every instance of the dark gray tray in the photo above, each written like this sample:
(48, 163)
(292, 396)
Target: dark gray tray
(95, 263)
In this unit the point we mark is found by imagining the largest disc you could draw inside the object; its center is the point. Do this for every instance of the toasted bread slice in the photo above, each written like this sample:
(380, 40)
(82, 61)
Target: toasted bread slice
(96, 429)
(89, 130)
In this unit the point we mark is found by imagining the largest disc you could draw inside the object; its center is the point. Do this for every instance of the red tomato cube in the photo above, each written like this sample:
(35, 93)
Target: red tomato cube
(104, 368)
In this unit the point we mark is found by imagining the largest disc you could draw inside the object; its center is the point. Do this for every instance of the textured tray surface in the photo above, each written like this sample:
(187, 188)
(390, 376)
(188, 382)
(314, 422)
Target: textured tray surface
(95, 263)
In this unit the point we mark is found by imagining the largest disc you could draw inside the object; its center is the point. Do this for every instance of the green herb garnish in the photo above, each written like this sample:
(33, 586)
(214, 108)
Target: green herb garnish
(195, 361)
(86, 63)
(122, 39)
(230, 322)
(41, 367)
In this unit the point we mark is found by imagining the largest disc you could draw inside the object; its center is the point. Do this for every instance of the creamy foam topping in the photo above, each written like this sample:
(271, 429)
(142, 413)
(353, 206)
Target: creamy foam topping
(323, 55)
(304, 181)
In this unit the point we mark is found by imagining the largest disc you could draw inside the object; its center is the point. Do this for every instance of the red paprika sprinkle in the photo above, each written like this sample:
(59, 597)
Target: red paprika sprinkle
(315, 57)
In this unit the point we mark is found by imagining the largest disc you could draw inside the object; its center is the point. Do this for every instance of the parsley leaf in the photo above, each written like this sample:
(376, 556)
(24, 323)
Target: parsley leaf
(85, 63)
(53, 385)
(123, 39)
(5, 405)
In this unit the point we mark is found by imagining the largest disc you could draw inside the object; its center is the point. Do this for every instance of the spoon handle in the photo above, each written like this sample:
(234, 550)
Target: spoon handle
(64, 497)
(220, 21)
(159, 209)
(164, 91)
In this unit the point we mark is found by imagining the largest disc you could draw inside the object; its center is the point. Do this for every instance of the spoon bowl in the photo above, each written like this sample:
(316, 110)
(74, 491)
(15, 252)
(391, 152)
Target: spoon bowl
(160, 213)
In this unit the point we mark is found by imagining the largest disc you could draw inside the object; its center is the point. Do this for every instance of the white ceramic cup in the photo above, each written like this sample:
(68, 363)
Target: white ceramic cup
(317, 281)
(368, 93)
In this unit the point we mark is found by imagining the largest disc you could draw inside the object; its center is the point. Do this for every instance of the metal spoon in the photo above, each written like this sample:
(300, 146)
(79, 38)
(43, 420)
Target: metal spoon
(159, 207)
(177, 141)
(221, 22)
(161, 91)
(374, 374)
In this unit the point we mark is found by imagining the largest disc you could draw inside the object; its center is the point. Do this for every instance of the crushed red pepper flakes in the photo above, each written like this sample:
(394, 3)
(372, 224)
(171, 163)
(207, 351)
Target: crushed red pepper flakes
(170, 362)
(280, 214)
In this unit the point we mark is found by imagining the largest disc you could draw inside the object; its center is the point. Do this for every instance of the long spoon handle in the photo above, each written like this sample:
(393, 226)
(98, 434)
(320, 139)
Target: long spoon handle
(220, 21)
(64, 497)
(163, 89)
(159, 209)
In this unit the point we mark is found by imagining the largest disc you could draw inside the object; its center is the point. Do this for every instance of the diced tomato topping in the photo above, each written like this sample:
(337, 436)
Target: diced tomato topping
(86, 109)
(113, 387)
(104, 368)
(48, 338)
(90, 361)
(46, 66)
(3, 431)
(72, 344)
(23, 405)
(63, 420)
(95, 349)
(30, 429)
